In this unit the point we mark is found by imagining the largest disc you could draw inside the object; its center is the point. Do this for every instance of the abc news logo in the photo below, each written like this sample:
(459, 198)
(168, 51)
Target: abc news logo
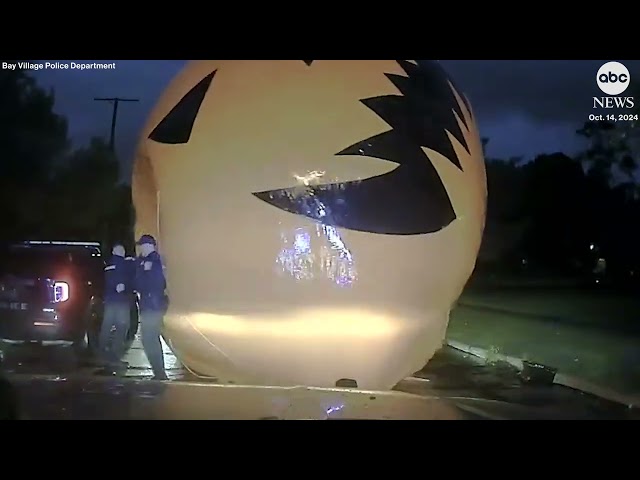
(613, 79)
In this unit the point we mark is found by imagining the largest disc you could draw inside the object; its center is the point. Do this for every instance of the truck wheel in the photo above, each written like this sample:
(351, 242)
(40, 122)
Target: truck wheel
(80, 346)
(86, 344)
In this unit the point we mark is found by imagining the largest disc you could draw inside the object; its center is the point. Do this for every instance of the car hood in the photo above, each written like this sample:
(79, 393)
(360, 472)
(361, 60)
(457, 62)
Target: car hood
(118, 398)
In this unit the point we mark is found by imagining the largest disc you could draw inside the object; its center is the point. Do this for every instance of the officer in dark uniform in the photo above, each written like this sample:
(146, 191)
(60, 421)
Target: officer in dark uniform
(118, 291)
(151, 286)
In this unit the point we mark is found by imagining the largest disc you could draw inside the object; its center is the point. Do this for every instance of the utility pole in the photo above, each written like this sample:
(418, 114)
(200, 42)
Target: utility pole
(114, 101)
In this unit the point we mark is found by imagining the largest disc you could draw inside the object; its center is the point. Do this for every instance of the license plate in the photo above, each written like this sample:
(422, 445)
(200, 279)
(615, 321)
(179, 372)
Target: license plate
(13, 306)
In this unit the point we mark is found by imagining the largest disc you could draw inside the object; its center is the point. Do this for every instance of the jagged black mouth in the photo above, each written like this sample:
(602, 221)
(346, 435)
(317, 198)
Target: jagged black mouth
(409, 200)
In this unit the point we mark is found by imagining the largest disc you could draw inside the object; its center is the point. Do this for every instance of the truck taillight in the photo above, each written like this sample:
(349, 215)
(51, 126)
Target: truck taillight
(60, 292)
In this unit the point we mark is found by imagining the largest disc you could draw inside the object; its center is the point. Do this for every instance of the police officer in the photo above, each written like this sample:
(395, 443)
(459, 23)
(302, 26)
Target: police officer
(150, 284)
(118, 289)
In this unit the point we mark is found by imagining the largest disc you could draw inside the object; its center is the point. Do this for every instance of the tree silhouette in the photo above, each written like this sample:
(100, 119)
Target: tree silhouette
(47, 190)
(549, 211)
(90, 204)
(609, 156)
(33, 139)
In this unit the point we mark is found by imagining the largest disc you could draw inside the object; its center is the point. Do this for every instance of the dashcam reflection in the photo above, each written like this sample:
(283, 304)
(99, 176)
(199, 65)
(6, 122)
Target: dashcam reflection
(316, 252)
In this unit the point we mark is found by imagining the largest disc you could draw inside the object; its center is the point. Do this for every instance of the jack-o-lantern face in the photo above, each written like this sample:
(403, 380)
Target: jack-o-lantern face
(318, 218)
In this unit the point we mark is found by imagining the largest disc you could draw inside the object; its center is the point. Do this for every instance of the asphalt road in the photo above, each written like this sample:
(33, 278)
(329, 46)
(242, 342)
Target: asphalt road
(74, 389)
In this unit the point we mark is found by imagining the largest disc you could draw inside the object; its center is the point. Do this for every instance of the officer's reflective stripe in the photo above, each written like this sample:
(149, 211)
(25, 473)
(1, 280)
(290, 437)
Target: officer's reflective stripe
(129, 258)
(110, 267)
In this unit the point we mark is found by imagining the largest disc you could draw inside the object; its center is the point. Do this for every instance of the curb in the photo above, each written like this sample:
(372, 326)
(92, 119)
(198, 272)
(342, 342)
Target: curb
(630, 401)
(484, 354)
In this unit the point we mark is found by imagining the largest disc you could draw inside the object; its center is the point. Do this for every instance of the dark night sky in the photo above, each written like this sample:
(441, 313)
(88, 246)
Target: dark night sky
(525, 107)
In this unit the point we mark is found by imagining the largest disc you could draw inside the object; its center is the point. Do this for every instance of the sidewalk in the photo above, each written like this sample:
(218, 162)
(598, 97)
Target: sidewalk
(604, 358)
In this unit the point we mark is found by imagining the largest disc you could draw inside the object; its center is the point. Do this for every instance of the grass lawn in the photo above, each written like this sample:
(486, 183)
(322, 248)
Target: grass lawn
(605, 358)
(598, 309)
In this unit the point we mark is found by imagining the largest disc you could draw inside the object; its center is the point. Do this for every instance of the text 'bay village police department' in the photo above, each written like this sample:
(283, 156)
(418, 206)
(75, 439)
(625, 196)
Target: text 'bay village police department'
(58, 66)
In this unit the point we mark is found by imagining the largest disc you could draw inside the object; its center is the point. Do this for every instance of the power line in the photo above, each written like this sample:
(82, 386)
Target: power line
(114, 101)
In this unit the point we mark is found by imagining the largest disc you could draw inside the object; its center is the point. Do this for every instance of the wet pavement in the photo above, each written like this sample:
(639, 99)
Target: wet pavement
(59, 359)
(454, 385)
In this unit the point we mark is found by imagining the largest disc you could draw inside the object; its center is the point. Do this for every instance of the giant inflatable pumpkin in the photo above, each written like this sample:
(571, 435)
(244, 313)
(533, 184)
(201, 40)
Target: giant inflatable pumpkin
(317, 218)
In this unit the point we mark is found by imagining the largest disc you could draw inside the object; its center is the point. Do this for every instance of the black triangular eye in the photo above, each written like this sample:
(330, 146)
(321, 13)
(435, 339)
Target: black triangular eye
(308, 62)
(176, 127)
